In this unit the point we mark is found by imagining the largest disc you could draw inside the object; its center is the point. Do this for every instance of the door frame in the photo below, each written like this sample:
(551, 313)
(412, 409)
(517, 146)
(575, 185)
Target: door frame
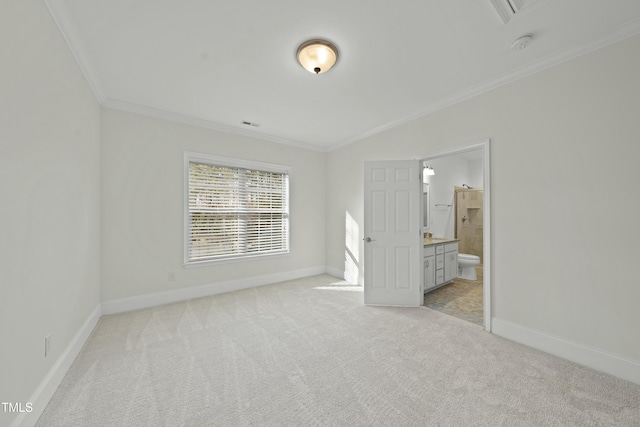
(485, 146)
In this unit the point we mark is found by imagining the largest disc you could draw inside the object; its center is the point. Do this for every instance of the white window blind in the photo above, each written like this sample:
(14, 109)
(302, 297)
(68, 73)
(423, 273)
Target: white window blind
(235, 212)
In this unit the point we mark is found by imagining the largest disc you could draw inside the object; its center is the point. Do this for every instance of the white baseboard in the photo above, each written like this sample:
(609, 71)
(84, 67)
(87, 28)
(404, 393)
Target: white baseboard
(341, 274)
(594, 358)
(168, 297)
(41, 396)
(335, 272)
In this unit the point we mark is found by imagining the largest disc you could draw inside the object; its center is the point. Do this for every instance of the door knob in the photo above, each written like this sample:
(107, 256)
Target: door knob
(368, 239)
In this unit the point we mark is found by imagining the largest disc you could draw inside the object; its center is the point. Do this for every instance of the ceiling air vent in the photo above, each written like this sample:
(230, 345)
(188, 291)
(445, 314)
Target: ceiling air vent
(253, 124)
(508, 8)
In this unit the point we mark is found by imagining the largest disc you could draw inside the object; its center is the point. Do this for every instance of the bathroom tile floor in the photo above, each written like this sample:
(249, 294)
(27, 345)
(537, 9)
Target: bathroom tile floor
(460, 298)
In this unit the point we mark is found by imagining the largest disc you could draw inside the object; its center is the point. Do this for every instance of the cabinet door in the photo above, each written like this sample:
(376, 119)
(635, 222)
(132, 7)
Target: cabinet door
(429, 273)
(450, 266)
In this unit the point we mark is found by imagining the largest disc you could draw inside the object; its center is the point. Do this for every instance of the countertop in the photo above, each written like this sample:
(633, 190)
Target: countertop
(438, 240)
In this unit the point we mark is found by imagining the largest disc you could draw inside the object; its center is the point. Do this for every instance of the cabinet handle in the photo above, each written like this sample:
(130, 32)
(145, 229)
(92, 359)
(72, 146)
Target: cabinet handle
(426, 263)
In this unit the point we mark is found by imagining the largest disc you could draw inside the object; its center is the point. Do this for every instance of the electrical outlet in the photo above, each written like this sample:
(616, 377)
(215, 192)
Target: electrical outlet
(47, 345)
(171, 276)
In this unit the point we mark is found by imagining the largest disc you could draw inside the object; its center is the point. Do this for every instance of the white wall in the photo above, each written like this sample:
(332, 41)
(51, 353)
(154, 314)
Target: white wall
(49, 210)
(475, 174)
(564, 237)
(142, 200)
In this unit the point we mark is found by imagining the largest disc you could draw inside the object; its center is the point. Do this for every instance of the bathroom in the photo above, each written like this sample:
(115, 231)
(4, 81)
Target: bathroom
(453, 197)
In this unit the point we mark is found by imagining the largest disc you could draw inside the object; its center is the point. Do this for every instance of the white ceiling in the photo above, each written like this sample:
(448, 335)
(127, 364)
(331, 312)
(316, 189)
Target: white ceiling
(216, 63)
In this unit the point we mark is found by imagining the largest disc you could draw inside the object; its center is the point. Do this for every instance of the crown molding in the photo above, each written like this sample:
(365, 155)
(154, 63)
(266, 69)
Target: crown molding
(61, 17)
(624, 31)
(204, 123)
(63, 20)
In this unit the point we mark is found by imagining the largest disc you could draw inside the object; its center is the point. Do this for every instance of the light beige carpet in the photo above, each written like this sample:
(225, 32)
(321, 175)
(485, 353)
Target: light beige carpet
(308, 352)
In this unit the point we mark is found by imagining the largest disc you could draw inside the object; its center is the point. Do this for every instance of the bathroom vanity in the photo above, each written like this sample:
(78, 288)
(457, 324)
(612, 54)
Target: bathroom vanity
(440, 262)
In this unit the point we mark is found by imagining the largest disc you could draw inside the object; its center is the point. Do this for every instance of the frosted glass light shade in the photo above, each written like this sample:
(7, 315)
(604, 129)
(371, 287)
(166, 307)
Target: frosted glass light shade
(317, 56)
(428, 171)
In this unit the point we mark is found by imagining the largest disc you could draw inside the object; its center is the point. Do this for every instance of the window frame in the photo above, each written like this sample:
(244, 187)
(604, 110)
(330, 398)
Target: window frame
(194, 157)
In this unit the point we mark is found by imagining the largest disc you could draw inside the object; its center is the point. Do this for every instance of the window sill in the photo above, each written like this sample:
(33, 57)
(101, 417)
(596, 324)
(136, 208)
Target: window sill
(213, 262)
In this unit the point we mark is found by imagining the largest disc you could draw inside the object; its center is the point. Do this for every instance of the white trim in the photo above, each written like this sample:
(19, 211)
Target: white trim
(341, 274)
(591, 357)
(506, 12)
(167, 297)
(211, 159)
(117, 104)
(458, 149)
(624, 31)
(335, 272)
(61, 17)
(43, 394)
(212, 262)
(486, 237)
(485, 146)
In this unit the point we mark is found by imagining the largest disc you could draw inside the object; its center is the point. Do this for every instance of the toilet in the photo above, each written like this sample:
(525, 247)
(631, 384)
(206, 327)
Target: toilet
(467, 266)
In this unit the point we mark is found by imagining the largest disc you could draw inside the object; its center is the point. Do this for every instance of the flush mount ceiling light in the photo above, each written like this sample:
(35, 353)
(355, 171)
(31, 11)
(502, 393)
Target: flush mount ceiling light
(317, 56)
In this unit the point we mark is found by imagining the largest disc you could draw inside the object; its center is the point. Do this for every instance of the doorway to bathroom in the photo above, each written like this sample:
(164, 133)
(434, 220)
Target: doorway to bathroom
(458, 203)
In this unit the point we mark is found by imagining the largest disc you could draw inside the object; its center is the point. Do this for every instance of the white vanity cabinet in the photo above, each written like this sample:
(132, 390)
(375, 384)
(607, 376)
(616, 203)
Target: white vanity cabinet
(440, 263)
(450, 261)
(429, 264)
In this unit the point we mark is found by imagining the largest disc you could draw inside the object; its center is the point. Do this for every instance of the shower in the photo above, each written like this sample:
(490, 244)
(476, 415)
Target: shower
(468, 214)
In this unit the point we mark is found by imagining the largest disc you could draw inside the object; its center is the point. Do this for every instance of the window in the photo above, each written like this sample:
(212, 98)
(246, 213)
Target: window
(234, 208)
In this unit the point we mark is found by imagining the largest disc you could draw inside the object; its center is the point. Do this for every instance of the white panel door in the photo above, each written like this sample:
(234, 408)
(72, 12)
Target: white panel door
(393, 245)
